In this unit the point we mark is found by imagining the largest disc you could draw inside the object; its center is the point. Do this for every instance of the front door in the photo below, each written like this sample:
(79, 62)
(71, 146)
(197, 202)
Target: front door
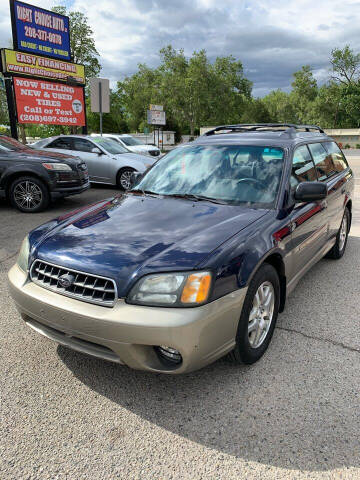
(97, 163)
(309, 220)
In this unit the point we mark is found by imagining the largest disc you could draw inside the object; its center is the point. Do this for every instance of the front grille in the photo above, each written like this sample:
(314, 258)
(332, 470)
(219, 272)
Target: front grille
(84, 287)
(154, 153)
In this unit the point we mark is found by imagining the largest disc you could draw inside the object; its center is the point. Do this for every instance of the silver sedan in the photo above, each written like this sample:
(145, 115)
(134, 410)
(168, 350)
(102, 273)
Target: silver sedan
(108, 161)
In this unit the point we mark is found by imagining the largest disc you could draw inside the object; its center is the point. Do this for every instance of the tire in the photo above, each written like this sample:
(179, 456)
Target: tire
(338, 249)
(250, 348)
(123, 178)
(29, 195)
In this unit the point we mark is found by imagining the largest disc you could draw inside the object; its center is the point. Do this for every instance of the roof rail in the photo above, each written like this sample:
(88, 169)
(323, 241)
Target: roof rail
(253, 127)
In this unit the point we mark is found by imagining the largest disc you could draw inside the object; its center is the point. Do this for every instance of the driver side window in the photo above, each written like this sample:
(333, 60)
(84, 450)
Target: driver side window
(303, 168)
(82, 145)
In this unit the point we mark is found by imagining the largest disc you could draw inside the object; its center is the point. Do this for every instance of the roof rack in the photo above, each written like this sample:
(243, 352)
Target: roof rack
(255, 127)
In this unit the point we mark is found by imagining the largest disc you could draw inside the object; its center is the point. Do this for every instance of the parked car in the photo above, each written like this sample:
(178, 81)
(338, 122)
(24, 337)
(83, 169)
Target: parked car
(132, 144)
(108, 162)
(31, 178)
(197, 259)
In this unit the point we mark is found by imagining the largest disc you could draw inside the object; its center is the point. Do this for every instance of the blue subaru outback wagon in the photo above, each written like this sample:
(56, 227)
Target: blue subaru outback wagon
(197, 259)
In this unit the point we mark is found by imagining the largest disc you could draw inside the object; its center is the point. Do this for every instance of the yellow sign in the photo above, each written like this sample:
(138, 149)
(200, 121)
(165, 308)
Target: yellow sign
(19, 63)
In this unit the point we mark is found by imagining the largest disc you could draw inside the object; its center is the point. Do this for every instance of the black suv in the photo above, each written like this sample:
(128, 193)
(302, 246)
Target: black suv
(30, 178)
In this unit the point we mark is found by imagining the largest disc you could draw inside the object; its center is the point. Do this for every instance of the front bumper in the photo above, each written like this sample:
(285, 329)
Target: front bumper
(127, 334)
(60, 191)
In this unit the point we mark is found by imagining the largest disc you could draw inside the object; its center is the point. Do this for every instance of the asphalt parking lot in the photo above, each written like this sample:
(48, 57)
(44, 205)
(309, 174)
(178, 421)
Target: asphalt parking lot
(293, 415)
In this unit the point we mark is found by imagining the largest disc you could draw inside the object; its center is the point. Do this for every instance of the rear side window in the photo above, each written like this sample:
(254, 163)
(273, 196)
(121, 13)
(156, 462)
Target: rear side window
(62, 143)
(303, 169)
(338, 158)
(323, 161)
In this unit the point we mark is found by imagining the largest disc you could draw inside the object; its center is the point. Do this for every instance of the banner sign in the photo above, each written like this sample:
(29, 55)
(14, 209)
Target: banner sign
(49, 103)
(40, 31)
(26, 64)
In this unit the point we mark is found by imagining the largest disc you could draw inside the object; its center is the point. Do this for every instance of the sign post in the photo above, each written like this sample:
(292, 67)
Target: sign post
(11, 107)
(100, 97)
(157, 117)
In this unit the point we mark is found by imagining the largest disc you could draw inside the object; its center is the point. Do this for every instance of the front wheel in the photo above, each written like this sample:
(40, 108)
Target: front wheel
(258, 316)
(29, 195)
(124, 178)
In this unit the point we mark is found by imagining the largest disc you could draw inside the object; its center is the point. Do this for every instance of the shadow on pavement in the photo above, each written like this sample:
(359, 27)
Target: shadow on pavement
(297, 408)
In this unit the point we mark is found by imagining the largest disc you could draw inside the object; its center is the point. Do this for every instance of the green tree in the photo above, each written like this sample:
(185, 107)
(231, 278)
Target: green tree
(255, 111)
(280, 107)
(4, 115)
(303, 94)
(345, 65)
(82, 42)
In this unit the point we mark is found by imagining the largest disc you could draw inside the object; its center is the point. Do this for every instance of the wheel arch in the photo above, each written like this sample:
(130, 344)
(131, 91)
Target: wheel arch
(276, 260)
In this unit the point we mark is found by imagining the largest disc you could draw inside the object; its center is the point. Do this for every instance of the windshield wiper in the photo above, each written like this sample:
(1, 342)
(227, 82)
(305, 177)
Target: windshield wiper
(144, 192)
(198, 198)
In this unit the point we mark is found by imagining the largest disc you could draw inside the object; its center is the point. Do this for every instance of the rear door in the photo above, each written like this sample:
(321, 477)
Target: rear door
(309, 220)
(61, 144)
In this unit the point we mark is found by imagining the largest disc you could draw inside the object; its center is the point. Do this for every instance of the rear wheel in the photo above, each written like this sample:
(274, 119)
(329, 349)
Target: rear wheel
(258, 316)
(124, 178)
(338, 249)
(29, 195)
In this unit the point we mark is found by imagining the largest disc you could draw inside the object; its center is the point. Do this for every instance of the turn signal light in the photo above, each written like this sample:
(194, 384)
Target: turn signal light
(197, 287)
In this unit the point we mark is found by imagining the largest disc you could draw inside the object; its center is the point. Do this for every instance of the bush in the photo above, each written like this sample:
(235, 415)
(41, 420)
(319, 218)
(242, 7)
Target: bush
(358, 145)
(347, 146)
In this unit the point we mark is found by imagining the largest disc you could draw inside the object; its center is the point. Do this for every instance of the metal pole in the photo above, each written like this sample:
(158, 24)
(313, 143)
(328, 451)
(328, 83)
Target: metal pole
(84, 128)
(100, 108)
(11, 107)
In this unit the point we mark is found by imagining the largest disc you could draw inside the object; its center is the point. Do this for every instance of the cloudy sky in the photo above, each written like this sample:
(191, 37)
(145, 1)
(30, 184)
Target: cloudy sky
(272, 38)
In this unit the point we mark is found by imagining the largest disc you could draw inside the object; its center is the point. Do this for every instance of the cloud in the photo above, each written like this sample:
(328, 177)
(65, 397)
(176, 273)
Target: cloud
(272, 39)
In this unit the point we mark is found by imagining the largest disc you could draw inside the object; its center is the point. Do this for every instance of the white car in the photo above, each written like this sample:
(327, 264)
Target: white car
(107, 161)
(133, 144)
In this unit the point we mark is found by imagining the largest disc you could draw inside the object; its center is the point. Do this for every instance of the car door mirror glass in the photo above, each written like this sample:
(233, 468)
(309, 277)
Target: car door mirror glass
(310, 191)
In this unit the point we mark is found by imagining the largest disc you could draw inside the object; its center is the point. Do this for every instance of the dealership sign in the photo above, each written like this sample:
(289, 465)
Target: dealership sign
(40, 31)
(21, 63)
(51, 103)
(156, 117)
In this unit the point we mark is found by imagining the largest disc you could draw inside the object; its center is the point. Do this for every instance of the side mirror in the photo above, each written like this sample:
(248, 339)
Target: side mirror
(310, 191)
(135, 178)
(96, 150)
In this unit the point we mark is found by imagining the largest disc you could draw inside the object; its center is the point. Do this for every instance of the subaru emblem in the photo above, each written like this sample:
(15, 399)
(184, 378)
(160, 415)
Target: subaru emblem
(66, 280)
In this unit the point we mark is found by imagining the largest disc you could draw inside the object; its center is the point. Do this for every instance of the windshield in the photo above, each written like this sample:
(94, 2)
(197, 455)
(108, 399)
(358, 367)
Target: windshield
(234, 174)
(131, 141)
(111, 146)
(7, 143)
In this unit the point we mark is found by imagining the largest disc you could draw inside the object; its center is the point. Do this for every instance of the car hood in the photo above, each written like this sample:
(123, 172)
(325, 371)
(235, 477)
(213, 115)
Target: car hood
(132, 235)
(35, 155)
(142, 148)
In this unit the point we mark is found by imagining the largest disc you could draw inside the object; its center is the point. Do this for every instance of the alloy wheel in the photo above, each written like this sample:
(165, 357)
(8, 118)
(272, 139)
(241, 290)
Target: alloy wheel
(261, 314)
(125, 179)
(28, 195)
(343, 233)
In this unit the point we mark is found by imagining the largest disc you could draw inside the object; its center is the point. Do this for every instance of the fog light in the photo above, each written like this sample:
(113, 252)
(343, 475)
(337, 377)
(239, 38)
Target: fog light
(170, 354)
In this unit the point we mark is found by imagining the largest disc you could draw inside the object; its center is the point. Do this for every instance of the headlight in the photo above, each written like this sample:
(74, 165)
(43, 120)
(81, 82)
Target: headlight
(23, 258)
(172, 289)
(57, 166)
